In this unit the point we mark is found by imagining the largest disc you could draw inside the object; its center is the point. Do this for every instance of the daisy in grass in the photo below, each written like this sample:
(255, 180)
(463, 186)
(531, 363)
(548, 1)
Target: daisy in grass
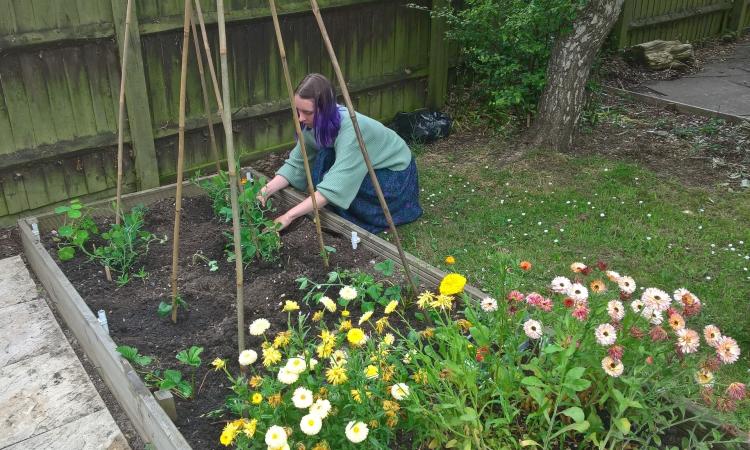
(311, 424)
(286, 376)
(598, 286)
(656, 299)
(691, 304)
(736, 391)
(727, 350)
(560, 285)
(712, 334)
(688, 340)
(302, 398)
(676, 322)
(425, 299)
(533, 329)
(336, 375)
(578, 292)
(489, 304)
(704, 377)
(271, 356)
(577, 267)
(613, 367)
(276, 437)
(442, 302)
(391, 306)
(654, 316)
(605, 334)
(613, 276)
(400, 391)
(321, 408)
(356, 432)
(626, 284)
(534, 299)
(296, 365)
(636, 306)
(615, 310)
(515, 296)
(248, 357)
(581, 311)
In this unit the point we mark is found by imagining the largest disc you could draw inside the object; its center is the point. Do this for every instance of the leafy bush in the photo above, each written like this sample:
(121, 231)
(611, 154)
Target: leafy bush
(507, 43)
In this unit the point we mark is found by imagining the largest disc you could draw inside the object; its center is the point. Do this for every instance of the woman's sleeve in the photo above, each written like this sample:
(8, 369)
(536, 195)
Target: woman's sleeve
(294, 167)
(341, 183)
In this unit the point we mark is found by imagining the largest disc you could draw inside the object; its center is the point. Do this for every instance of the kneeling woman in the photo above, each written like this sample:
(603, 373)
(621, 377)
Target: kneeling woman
(338, 169)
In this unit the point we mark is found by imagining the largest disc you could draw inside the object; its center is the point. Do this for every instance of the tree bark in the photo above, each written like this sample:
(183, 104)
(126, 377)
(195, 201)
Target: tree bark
(572, 56)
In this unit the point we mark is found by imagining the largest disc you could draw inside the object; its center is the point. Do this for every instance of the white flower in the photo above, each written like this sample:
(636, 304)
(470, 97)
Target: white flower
(286, 376)
(311, 424)
(313, 363)
(400, 391)
(615, 310)
(348, 293)
(636, 306)
(578, 292)
(606, 334)
(302, 398)
(276, 437)
(561, 285)
(652, 315)
(329, 304)
(489, 304)
(321, 408)
(712, 334)
(259, 326)
(613, 276)
(626, 284)
(704, 377)
(248, 357)
(356, 431)
(688, 340)
(533, 329)
(656, 299)
(296, 365)
(613, 367)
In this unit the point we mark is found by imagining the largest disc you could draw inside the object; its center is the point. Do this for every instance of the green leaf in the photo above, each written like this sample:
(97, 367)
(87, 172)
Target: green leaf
(574, 374)
(62, 209)
(74, 213)
(386, 267)
(574, 413)
(533, 381)
(164, 309)
(66, 253)
(190, 356)
(330, 249)
(132, 355)
(65, 231)
(80, 237)
(578, 385)
(623, 424)
(552, 348)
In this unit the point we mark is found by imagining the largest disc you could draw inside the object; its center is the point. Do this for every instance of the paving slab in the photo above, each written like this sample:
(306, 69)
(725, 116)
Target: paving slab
(16, 285)
(27, 328)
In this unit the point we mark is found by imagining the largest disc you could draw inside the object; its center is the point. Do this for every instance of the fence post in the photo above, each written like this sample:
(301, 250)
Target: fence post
(136, 99)
(623, 26)
(437, 79)
(737, 17)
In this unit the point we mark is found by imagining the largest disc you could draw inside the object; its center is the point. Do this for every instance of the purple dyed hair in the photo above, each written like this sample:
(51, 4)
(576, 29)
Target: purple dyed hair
(327, 120)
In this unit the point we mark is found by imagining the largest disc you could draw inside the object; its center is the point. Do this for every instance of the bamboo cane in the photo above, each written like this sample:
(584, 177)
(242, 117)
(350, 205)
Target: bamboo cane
(206, 103)
(209, 58)
(300, 138)
(360, 140)
(227, 121)
(180, 158)
(121, 116)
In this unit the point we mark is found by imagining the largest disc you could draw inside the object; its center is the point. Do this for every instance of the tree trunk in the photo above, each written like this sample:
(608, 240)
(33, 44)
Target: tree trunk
(563, 98)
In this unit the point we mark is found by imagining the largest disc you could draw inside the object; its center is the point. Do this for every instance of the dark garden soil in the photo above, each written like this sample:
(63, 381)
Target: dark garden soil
(211, 320)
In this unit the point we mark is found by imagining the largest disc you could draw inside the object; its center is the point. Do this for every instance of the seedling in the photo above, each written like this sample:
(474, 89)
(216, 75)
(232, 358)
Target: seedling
(165, 308)
(132, 355)
(213, 266)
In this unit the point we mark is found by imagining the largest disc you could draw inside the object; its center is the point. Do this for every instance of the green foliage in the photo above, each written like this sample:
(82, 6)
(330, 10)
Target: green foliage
(165, 308)
(77, 229)
(132, 355)
(174, 380)
(507, 43)
(191, 356)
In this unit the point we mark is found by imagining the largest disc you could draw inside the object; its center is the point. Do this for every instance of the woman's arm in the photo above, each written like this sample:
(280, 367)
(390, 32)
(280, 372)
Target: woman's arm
(304, 207)
(276, 184)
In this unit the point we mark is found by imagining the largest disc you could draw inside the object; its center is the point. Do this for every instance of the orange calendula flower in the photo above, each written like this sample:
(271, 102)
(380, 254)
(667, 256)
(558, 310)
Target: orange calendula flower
(598, 286)
(525, 266)
(243, 181)
(450, 260)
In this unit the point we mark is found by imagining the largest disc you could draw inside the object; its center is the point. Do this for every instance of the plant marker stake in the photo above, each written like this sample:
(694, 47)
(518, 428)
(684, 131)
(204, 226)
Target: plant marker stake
(360, 140)
(180, 158)
(121, 117)
(300, 137)
(232, 168)
(206, 103)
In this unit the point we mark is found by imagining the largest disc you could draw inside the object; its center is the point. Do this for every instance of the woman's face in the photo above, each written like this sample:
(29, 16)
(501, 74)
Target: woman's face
(305, 110)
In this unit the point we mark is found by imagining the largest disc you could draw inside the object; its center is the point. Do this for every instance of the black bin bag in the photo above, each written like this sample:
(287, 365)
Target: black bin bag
(422, 126)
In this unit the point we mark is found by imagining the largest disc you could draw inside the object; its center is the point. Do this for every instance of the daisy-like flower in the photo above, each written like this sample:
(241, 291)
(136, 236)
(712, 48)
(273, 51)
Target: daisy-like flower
(712, 334)
(317, 316)
(328, 304)
(290, 306)
(736, 391)
(371, 372)
(613, 276)
(311, 424)
(682, 296)
(259, 326)
(605, 334)
(296, 365)
(425, 299)
(688, 340)
(578, 292)
(282, 339)
(452, 284)
(321, 408)
(276, 437)
(598, 286)
(450, 260)
(654, 316)
(302, 398)
(229, 433)
(656, 299)
(356, 336)
(637, 306)
(271, 356)
(348, 293)
(626, 284)
(249, 427)
(581, 311)
(218, 364)
(365, 317)
(560, 285)
(443, 302)
(657, 334)
(400, 391)
(389, 339)
(676, 322)
(534, 298)
(381, 324)
(248, 357)
(391, 306)
(336, 375)
(615, 310)
(338, 358)
(356, 432)
(533, 329)
(525, 266)
(577, 267)
(704, 377)
(568, 302)
(691, 304)
(488, 304)
(286, 376)
(257, 398)
(616, 352)
(612, 367)
(727, 350)
(515, 296)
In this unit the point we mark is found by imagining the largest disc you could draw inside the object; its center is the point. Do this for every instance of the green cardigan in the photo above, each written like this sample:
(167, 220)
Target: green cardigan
(341, 183)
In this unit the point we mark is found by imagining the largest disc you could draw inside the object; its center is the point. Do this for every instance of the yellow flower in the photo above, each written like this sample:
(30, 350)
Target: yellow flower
(381, 324)
(249, 427)
(391, 306)
(255, 381)
(321, 446)
(452, 284)
(317, 316)
(389, 339)
(420, 376)
(450, 260)
(428, 333)
(338, 358)
(356, 396)
(424, 299)
(356, 336)
(282, 339)
(271, 356)
(345, 313)
(229, 433)
(218, 363)
(329, 304)
(290, 305)
(388, 372)
(345, 325)
(463, 324)
(324, 350)
(336, 375)
(257, 398)
(274, 400)
(365, 317)
(443, 302)
(371, 372)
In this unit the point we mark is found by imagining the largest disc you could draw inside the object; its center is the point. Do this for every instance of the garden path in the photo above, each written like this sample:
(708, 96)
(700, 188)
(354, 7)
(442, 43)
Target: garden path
(722, 86)
(47, 399)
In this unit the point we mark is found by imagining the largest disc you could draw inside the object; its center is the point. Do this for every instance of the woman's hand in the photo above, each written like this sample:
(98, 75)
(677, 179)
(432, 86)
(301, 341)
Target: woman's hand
(283, 220)
(263, 196)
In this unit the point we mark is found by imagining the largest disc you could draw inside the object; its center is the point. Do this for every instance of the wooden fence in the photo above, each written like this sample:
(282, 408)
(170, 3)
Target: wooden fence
(60, 71)
(685, 20)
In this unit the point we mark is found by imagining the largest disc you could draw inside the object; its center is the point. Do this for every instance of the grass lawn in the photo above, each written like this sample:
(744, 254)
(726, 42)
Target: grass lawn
(553, 209)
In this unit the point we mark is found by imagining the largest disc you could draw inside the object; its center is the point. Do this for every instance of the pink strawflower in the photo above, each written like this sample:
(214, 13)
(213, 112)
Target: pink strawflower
(581, 312)
(727, 350)
(545, 305)
(615, 310)
(605, 334)
(688, 340)
(515, 296)
(636, 332)
(736, 391)
(534, 299)
(712, 334)
(657, 334)
(615, 352)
